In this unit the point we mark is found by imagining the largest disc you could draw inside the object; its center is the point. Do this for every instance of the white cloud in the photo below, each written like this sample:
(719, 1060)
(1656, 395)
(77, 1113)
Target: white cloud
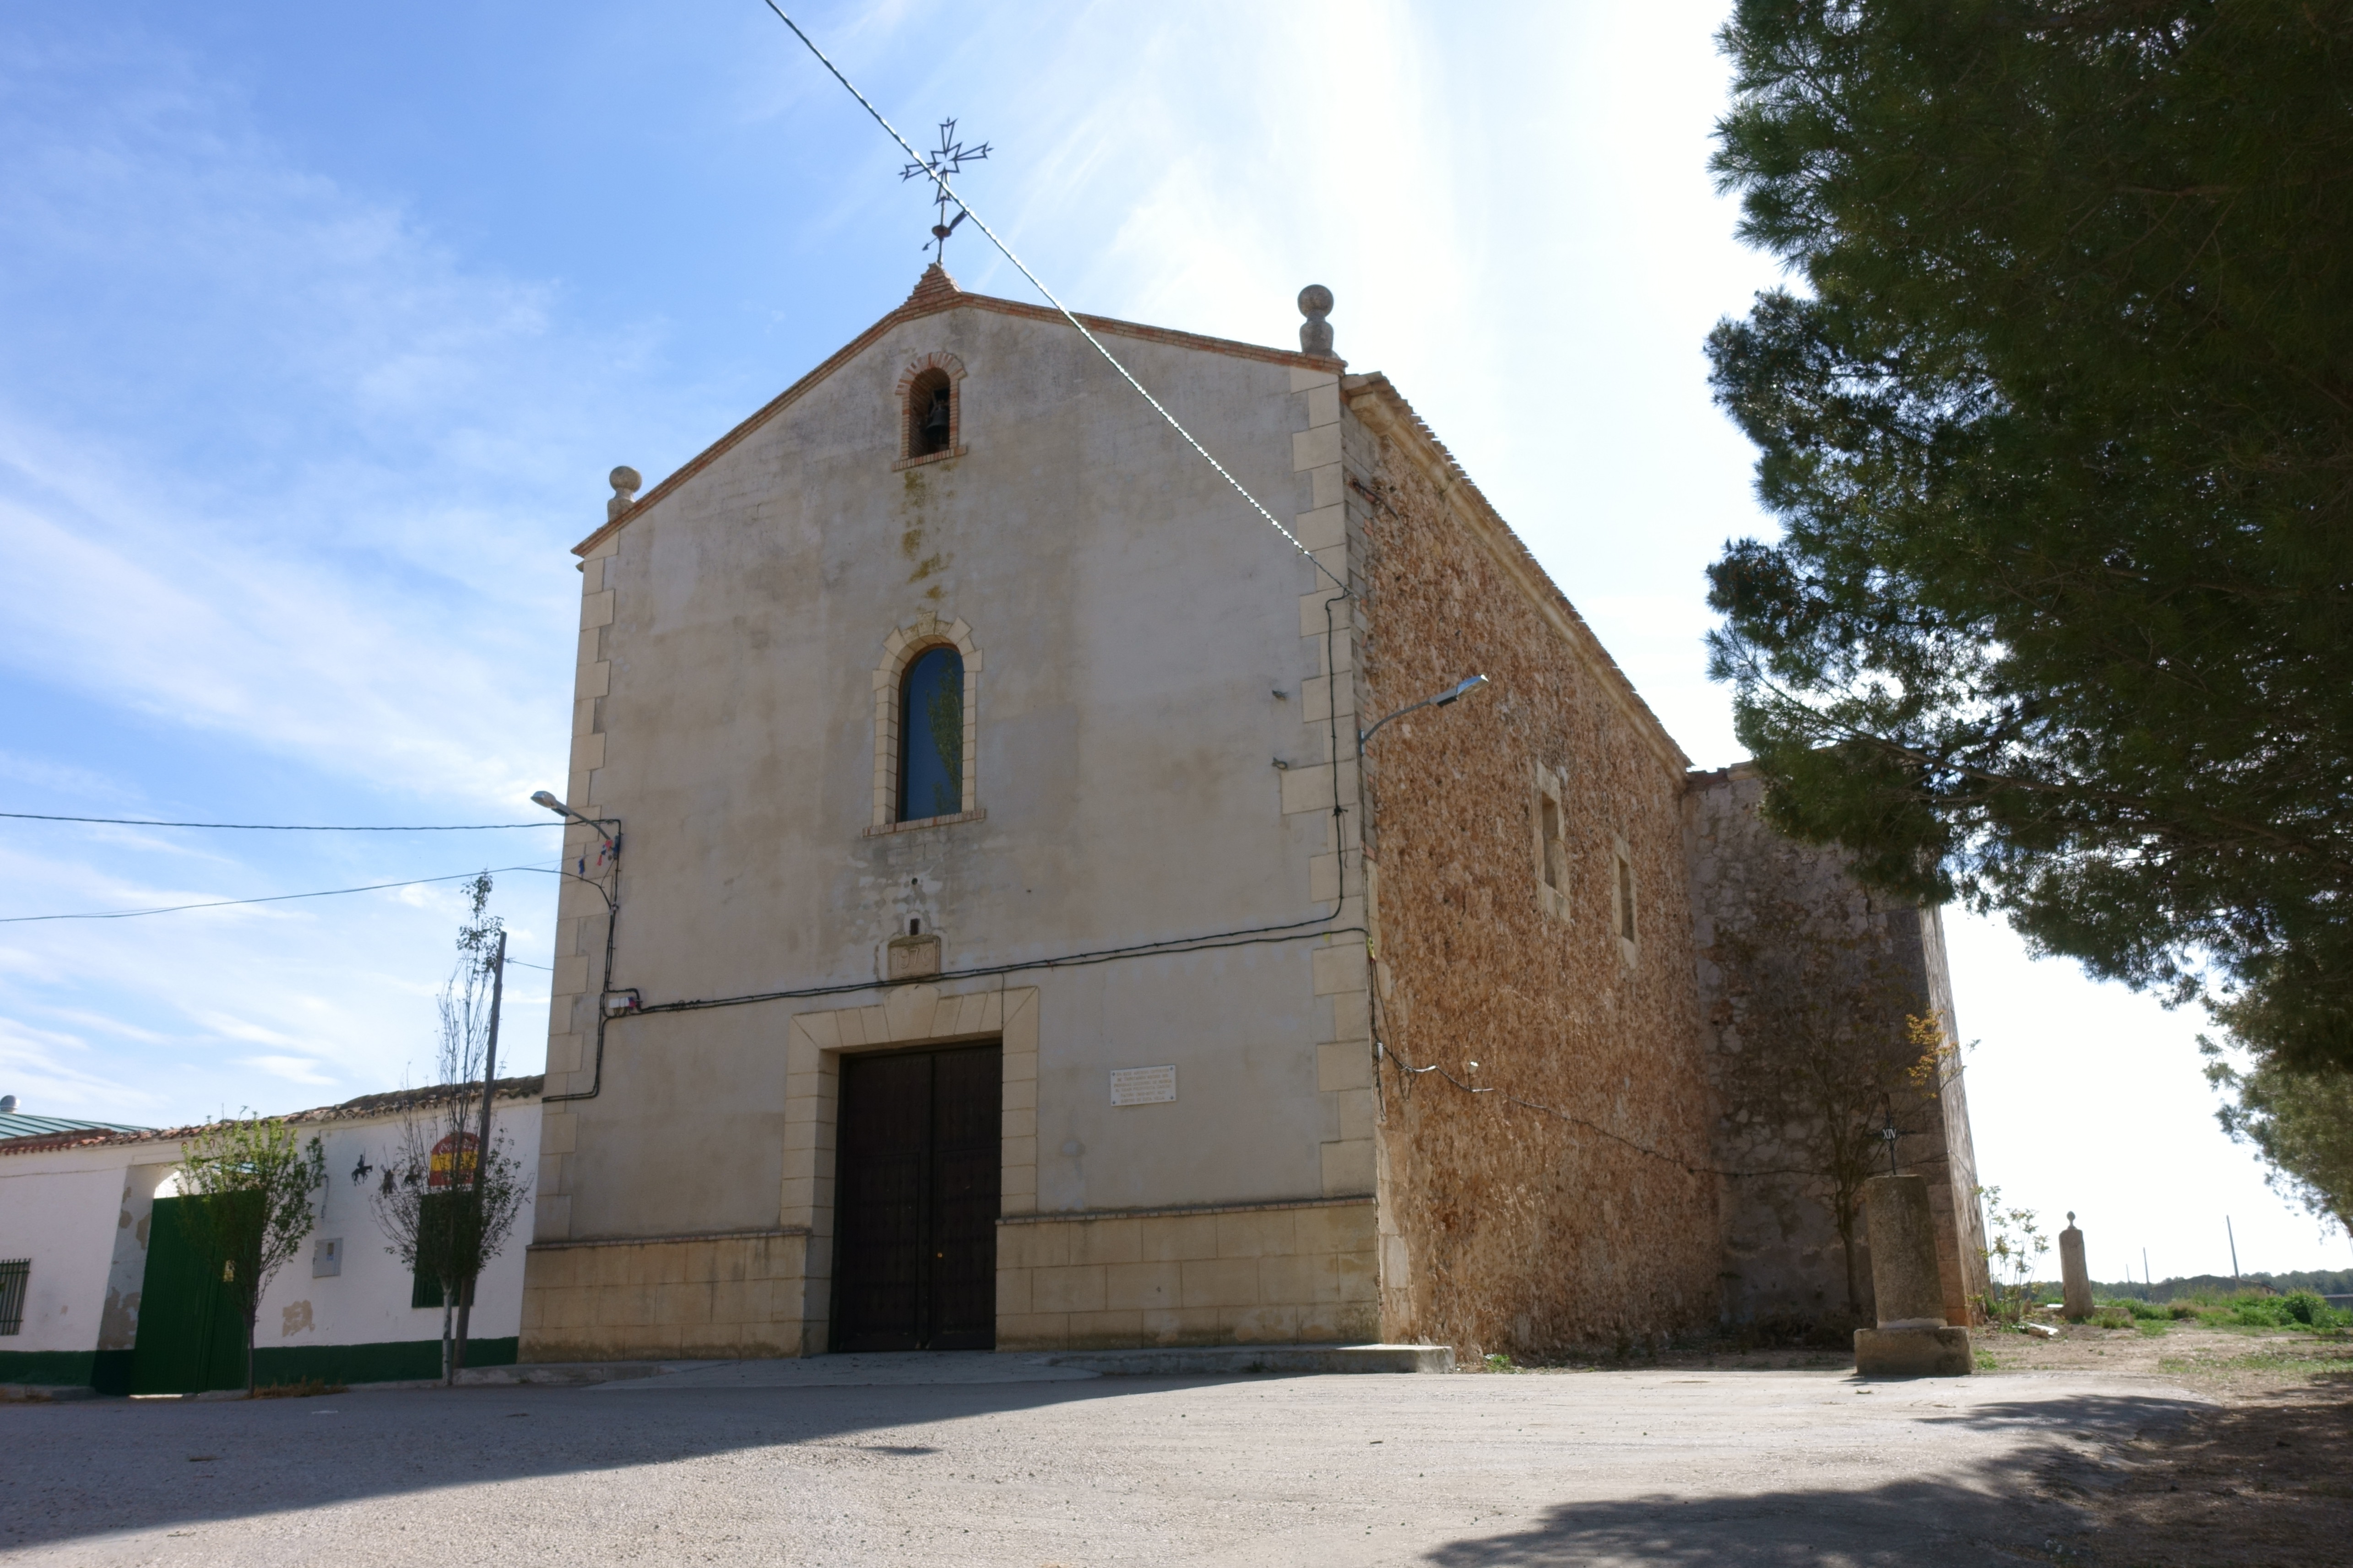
(294, 1069)
(45, 1084)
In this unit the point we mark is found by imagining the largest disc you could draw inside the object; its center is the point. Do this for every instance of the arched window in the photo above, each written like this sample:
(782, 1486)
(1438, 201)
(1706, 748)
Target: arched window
(926, 729)
(930, 413)
(931, 735)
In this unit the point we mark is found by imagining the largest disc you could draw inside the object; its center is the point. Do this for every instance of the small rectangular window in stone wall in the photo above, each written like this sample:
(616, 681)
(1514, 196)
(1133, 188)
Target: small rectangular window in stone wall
(1551, 845)
(15, 1273)
(1621, 898)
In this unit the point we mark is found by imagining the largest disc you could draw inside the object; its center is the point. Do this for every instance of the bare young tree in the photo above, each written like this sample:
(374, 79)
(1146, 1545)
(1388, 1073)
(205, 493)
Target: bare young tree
(449, 1199)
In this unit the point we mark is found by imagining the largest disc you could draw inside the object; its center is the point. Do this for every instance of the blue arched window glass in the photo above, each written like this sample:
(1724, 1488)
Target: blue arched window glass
(931, 736)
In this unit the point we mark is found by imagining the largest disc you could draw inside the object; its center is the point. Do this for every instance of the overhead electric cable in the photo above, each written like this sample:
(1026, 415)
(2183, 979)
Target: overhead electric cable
(279, 827)
(281, 898)
(948, 194)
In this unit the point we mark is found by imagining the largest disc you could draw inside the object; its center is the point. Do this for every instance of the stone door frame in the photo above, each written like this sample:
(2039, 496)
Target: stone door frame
(907, 1016)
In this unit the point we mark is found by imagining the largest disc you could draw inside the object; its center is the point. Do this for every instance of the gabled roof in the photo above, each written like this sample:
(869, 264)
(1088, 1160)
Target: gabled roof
(367, 1107)
(934, 293)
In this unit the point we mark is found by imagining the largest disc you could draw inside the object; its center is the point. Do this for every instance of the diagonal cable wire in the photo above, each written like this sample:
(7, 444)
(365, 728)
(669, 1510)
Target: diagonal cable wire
(276, 827)
(948, 194)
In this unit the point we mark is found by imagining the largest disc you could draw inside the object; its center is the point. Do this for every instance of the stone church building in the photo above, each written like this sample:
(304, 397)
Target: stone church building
(993, 932)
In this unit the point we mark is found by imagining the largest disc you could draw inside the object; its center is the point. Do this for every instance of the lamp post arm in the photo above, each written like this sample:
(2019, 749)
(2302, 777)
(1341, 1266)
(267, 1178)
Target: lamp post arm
(1460, 689)
(1364, 736)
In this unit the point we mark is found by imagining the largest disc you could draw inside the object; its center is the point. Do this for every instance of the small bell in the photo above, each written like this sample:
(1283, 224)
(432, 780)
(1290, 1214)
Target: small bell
(935, 422)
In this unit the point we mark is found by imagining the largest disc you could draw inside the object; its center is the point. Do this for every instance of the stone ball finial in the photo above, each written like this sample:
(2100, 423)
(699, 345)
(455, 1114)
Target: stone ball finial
(1316, 333)
(625, 480)
(2071, 1216)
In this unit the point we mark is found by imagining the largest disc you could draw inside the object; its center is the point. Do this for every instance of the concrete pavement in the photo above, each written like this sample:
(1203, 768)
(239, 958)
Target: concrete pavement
(1003, 1460)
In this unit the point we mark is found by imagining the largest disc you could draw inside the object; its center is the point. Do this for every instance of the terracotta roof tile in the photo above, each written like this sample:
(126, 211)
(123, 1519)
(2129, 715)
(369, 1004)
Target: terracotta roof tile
(365, 1108)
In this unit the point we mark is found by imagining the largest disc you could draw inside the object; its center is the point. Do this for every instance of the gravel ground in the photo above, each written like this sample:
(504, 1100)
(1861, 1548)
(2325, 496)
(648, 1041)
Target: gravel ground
(761, 1465)
(2264, 1476)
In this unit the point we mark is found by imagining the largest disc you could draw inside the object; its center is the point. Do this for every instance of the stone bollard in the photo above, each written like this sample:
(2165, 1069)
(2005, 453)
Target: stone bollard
(1913, 1340)
(2076, 1294)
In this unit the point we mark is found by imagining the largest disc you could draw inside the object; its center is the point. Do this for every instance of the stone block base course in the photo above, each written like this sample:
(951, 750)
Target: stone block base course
(1220, 1361)
(666, 1299)
(1913, 1353)
(1248, 1274)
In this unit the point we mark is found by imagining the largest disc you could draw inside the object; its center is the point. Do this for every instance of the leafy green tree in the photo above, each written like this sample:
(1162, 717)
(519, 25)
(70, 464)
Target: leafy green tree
(2059, 423)
(2302, 1124)
(246, 1188)
(2014, 1245)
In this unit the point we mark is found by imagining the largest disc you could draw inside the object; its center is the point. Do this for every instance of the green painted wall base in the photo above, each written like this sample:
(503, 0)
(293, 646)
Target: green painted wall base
(398, 1362)
(108, 1371)
(49, 1369)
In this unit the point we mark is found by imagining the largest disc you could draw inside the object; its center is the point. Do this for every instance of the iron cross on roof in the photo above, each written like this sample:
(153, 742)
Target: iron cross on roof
(948, 159)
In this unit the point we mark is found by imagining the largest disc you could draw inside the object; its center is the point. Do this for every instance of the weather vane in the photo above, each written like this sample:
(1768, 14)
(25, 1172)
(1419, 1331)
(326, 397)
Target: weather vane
(948, 159)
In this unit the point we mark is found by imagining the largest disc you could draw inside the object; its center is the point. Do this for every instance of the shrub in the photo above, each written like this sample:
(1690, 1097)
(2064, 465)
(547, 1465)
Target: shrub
(2181, 1309)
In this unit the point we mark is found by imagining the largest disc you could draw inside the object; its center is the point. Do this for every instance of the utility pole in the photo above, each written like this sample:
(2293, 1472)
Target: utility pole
(2235, 1247)
(2146, 1277)
(482, 1143)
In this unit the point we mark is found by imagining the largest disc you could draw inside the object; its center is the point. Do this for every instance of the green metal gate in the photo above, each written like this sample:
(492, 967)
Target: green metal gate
(191, 1332)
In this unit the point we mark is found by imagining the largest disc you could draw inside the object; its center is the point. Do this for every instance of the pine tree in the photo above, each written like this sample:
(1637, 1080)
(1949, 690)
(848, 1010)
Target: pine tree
(2059, 428)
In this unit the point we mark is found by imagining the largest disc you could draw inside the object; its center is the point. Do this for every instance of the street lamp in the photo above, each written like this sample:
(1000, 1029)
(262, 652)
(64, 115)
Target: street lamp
(546, 800)
(1454, 693)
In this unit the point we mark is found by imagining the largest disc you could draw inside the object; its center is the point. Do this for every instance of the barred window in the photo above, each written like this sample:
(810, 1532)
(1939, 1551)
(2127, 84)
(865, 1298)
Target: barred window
(15, 1274)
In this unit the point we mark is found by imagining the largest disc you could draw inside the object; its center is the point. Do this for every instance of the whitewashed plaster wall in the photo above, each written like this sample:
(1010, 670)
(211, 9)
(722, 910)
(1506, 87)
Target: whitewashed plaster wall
(60, 1211)
(367, 1302)
(69, 1210)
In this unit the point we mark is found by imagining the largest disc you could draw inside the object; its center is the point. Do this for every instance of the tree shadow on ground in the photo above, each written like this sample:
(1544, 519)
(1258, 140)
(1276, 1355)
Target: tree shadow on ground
(2113, 1481)
(1911, 1522)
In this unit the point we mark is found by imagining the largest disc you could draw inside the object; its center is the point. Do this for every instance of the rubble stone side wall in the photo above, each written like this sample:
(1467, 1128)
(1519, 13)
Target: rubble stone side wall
(1504, 1226)
(1806, 980)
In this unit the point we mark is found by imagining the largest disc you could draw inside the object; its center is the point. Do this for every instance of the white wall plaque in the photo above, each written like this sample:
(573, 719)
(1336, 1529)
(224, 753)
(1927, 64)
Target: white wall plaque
(1142, 1085)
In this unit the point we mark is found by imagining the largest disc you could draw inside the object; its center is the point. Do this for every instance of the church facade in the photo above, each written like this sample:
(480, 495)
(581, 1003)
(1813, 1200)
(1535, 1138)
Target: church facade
(993, 927)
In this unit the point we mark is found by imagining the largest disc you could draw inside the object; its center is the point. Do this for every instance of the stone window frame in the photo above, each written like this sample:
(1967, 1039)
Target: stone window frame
(1551, 850)
(1625, 901)
(900, 649)
(952, 368)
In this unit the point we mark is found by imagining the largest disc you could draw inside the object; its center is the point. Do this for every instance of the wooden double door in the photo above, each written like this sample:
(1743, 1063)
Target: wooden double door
(916, 1200)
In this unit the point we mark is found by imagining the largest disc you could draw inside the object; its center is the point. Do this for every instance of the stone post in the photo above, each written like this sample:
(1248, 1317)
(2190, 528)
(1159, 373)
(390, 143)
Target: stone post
(2076, 1297)
(1913, 1340)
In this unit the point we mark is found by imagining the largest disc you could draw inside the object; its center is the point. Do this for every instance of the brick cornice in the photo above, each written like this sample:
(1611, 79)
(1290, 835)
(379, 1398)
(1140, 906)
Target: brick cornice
(933, 295)
(1377, 401)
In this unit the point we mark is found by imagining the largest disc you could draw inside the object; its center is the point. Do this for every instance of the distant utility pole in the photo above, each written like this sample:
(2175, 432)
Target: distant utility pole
(2146, 1277)
(2235, 1247)
(482, 1143)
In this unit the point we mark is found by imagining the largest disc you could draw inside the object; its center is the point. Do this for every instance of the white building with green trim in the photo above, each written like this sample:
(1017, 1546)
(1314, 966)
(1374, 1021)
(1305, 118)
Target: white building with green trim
(100, 1288)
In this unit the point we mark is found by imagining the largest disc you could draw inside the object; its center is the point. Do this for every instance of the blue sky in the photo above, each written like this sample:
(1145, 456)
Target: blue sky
(326, 322)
